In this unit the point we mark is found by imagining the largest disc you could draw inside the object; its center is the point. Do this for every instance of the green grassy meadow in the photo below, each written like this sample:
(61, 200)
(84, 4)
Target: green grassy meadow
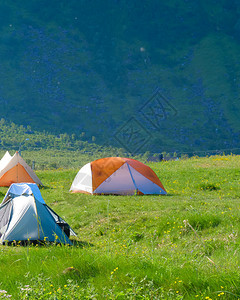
(181, 246)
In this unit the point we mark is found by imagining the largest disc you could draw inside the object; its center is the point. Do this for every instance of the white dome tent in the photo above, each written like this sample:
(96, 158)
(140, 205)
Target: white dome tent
(118, 176)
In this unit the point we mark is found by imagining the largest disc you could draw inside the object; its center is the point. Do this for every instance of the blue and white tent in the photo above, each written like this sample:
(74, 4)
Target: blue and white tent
(24, 215)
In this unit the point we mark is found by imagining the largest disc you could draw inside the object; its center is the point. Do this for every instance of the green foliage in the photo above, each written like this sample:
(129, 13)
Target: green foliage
(85, 68)
(208, 186)
(43, 150)
(201, 222)
(20, 137)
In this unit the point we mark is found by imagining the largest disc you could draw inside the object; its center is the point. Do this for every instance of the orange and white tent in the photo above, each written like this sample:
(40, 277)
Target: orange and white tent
(14, 169)
(117, 175)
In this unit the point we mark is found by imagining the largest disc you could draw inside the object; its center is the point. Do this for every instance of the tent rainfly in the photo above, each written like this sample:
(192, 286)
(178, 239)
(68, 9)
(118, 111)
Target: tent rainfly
(14, 169)
(118, 176)
(25, 216)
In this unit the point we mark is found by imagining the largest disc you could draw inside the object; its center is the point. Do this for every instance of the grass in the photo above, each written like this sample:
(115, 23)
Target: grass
(181, 246)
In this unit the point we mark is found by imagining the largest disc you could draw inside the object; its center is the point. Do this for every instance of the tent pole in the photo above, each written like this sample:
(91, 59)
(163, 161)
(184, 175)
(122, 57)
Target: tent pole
(132, 178)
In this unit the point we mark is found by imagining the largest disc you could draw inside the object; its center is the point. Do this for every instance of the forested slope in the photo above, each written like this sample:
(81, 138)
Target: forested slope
(92, 68)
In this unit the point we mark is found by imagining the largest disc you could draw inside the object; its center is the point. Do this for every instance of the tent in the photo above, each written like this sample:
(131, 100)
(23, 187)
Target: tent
(117, 175)
(24, 216)
(14, 169)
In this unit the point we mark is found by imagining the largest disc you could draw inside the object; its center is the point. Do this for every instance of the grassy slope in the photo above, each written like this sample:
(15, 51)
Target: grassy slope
(181, 245)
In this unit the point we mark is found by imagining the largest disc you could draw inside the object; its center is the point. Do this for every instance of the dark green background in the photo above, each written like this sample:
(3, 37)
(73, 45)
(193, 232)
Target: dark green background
(88, 67)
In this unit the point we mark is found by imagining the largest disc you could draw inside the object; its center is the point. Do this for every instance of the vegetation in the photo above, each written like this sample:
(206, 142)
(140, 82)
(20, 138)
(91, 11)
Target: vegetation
(181, 246)
(87, 67)
(23, 137)
(43, 150)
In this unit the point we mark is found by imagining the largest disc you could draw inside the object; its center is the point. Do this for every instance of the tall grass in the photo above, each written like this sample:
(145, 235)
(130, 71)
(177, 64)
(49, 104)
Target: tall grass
(181, 246)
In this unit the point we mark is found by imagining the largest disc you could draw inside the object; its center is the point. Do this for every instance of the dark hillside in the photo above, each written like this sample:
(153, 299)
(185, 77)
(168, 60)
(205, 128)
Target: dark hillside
(91, 67)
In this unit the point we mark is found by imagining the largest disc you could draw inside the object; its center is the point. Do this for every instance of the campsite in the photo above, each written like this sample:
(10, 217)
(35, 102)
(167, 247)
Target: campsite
(119, 149)
(183, 245)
